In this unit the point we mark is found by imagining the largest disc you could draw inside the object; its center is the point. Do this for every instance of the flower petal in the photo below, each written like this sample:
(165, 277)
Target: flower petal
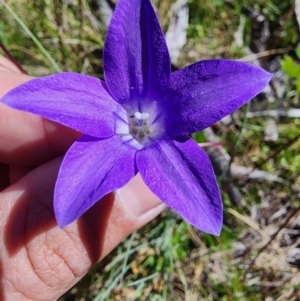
(91, 169)
(136, 58)
(181, 175)
(205, 92)
(78, 101)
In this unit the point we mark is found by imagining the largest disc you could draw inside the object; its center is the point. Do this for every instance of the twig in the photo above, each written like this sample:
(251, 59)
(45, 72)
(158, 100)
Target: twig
(270, 241)
(278, 151)
(261, 54)
(294, 113)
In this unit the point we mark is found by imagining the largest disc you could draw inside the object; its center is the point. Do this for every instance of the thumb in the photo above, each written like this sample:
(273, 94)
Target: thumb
(41, 261)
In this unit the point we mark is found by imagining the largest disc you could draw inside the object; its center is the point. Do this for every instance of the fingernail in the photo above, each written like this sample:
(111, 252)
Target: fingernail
(137, 199)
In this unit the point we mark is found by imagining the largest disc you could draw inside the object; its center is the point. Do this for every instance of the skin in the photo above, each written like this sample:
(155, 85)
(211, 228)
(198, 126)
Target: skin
(38, 260)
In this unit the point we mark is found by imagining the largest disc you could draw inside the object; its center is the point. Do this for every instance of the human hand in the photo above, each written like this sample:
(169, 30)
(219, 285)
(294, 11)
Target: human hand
(38, 260)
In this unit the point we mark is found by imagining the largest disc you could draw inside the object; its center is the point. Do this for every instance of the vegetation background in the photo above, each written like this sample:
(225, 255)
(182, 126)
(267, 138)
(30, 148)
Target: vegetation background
(257, 256)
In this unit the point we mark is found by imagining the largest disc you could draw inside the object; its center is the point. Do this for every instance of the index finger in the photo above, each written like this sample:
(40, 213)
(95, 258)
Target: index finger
(7, 65)
(27, 139)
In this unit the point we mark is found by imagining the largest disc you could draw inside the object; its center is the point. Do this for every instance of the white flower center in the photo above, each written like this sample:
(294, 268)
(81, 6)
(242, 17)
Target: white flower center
(139, 128)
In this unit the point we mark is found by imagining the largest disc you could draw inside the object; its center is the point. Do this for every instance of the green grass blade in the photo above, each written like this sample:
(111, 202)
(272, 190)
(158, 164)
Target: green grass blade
(32, 36)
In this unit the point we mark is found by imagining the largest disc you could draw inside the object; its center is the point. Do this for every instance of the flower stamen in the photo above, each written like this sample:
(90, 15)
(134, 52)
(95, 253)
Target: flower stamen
(138, 127)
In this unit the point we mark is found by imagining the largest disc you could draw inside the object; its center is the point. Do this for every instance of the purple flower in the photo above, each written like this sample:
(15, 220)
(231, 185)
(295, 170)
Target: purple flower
(139, 118)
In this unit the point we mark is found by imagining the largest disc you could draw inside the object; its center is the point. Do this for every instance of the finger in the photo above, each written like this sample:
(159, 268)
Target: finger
(54, 259)
(4, 176)
(7, 65)
(27, 139)
(10, 79)
(16, 173)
